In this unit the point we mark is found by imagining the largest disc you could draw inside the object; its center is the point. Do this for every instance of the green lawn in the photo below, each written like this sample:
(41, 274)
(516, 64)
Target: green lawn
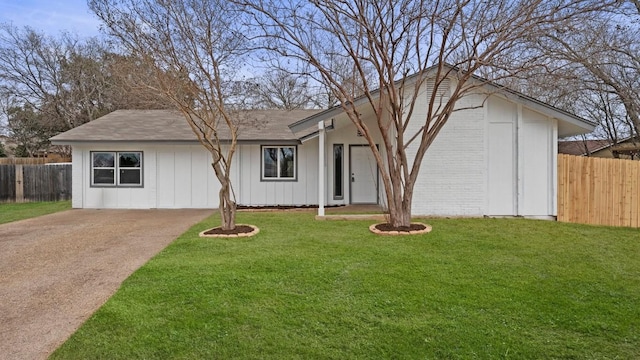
(18, 211)
(305, 289)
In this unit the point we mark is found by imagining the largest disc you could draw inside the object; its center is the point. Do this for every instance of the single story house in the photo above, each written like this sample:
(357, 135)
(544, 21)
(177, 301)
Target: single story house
(495, 157)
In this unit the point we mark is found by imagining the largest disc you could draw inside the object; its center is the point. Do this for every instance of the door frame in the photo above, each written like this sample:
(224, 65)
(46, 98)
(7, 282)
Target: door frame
(377, 182)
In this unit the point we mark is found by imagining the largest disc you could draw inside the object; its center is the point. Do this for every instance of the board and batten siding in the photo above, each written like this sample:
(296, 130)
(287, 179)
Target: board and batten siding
(174, 176)
(539, 164)
(180, 176)
(112, 197)
(521, 161)
(251, 190)
(185, 178)
(502, 190)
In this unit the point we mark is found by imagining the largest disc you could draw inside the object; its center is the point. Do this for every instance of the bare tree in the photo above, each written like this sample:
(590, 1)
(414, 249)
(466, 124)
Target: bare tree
(61, 77)
(603, 55)
(281, 89)
(128, 86)
(61, 82)
(597, 63)
(582, 94)
(194, 49)
(409, 44)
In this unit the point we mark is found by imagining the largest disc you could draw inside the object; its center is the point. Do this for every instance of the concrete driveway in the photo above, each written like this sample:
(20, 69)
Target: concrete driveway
(57, 270)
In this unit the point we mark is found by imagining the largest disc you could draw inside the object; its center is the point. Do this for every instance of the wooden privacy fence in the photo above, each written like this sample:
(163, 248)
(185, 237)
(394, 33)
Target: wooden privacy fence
(598, 191)
(24, 183)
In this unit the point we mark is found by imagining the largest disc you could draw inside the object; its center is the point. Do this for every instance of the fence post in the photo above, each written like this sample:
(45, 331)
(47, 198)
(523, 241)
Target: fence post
(19, 184)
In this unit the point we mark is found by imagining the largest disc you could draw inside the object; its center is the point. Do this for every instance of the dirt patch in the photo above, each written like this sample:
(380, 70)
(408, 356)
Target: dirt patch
(58, 269)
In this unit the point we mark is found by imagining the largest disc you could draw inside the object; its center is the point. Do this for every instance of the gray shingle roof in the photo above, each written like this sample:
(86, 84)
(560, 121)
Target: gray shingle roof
(168, 125)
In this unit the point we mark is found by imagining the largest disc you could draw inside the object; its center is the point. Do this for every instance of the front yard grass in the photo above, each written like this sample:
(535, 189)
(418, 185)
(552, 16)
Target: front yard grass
(305, 289)
(19, 211)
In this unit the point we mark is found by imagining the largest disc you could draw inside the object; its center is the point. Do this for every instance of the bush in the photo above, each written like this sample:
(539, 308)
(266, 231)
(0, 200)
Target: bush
(3, 151)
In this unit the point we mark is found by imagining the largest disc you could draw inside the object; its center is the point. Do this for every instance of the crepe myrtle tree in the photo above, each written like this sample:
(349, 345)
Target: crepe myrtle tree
(194, 50)
(409, 44)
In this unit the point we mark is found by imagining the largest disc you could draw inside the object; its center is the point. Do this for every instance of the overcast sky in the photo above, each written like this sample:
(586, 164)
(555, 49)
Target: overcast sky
(50, 16)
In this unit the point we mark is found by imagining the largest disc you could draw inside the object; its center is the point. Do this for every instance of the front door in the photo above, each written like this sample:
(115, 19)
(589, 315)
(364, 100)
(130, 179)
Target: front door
(363, 175)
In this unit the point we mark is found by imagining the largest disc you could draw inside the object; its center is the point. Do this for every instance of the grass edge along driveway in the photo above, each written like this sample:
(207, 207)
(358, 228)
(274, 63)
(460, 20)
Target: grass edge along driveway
(10, 212)
(472, 288)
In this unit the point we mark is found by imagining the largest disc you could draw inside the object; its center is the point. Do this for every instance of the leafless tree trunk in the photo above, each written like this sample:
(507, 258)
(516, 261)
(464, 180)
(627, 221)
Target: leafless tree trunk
(409, 44)
(194, 49)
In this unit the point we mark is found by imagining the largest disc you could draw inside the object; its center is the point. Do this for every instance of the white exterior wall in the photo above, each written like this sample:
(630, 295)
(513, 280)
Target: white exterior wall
(452, 175)
(502, 147)
(497, 159)
(521, 161)
(77, 177)
(345, 133)
(539, 169)
(251, 190)
(174, 176)
(180, 176)
(185, 178)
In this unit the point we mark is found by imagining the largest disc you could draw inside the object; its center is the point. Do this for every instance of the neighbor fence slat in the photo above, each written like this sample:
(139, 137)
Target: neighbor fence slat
(598, 191)
(7, 183)
(633, 198)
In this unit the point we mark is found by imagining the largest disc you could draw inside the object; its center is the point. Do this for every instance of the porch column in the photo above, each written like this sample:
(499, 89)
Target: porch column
(321, 177)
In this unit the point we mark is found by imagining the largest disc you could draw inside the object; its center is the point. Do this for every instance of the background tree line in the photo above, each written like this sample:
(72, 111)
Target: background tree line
(52, 83)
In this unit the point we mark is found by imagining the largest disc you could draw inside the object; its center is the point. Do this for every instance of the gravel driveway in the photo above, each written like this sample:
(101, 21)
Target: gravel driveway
(56, 270)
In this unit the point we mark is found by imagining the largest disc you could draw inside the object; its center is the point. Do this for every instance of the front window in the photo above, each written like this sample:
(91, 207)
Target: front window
(278, 162)
(116, 168)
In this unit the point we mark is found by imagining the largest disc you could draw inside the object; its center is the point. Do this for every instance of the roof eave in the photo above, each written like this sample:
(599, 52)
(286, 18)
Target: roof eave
(176, 142)
(528, 101)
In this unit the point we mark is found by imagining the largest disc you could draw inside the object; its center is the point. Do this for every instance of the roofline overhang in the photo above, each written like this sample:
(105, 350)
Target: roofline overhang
(176, 142)
(540, 106)
(312, 120)
(504, 91)
(315, 134)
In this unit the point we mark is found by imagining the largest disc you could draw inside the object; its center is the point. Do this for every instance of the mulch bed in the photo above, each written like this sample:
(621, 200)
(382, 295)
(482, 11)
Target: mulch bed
(386, 227)
(283, 207)
(240, 229)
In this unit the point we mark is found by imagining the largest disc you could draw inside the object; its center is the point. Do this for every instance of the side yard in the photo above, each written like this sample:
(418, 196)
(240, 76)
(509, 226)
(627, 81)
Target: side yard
(473, 288)
(18, 211)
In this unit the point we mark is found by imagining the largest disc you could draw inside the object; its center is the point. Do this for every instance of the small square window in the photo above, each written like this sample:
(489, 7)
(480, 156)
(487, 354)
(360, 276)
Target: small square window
(278, 162)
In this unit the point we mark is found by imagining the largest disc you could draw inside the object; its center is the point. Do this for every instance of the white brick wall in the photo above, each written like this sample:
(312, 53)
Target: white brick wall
(451, 180)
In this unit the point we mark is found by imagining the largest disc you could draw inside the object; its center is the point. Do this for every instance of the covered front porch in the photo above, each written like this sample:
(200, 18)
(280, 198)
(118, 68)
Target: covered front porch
(347, 171)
